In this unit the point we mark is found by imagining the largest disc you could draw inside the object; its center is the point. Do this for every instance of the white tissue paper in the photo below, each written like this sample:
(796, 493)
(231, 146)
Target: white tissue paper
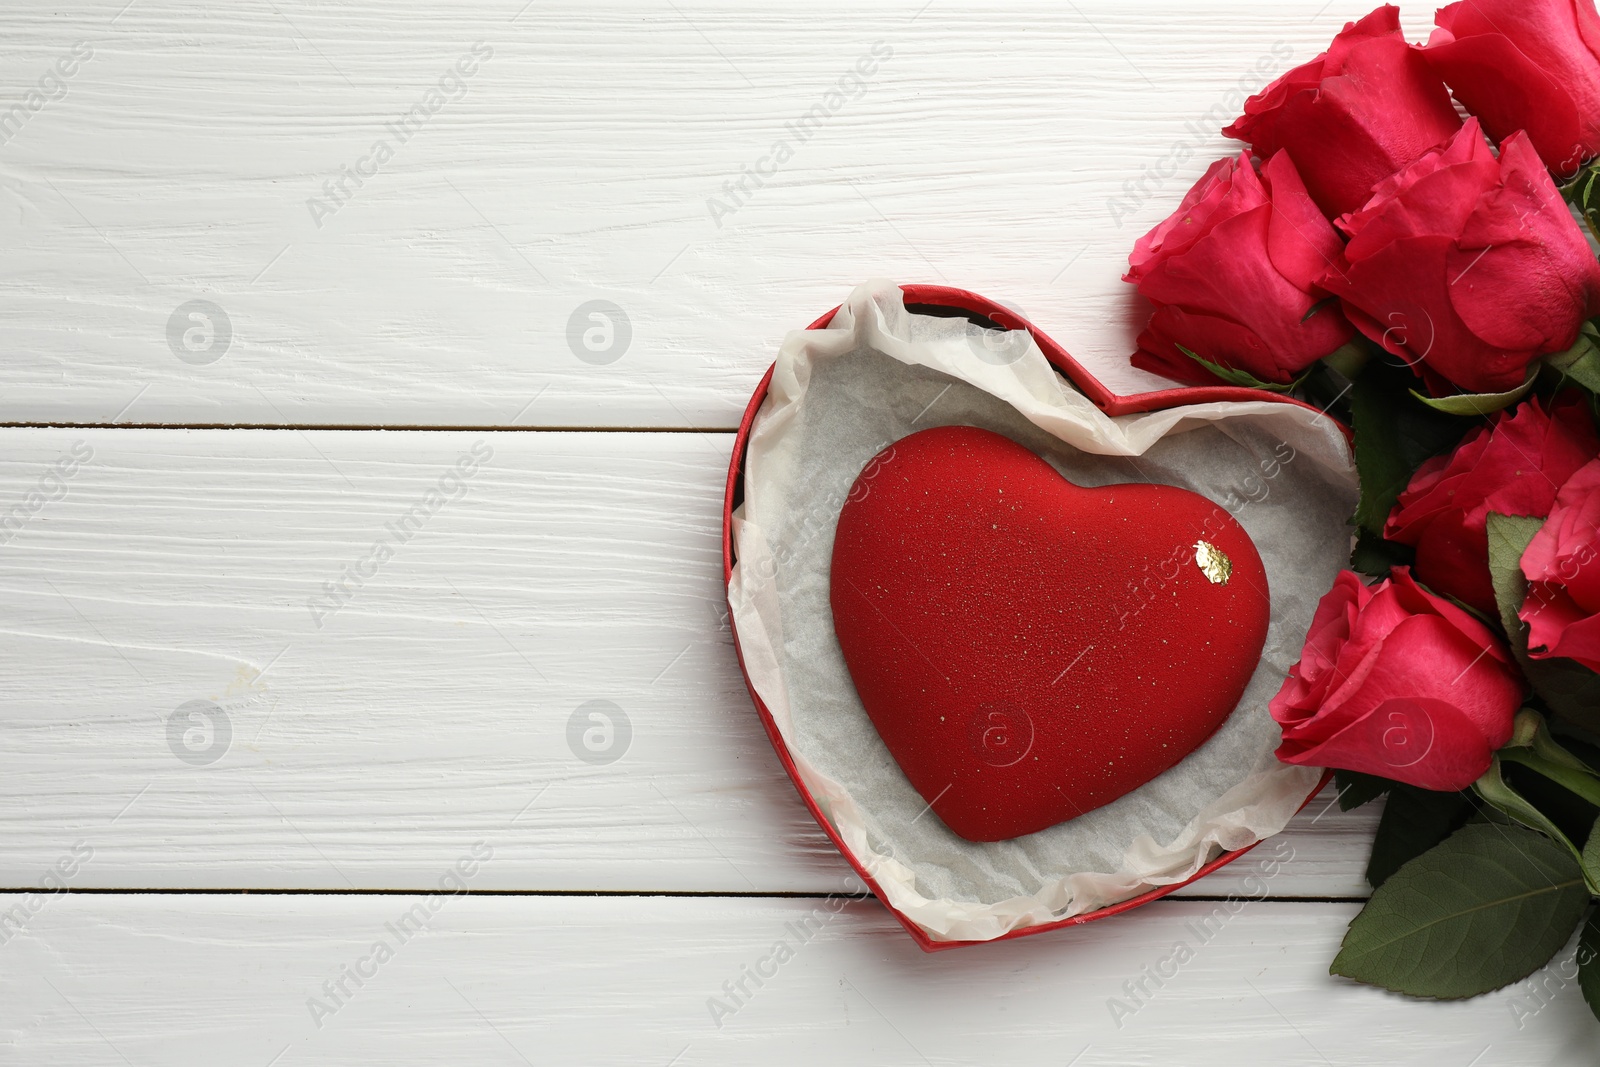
(878, 373)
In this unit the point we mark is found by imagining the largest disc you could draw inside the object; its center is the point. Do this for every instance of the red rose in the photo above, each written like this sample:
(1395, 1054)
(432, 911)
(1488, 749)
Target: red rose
(1514, 467)
(1231, 274)
(1467, 266)
(1397, 682)
(1562, 566)
(1529, 65)
(1354, 115)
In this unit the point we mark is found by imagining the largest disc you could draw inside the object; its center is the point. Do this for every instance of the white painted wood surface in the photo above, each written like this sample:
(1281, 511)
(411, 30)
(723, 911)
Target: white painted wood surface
(433, 711)
(1017, 149)
(598, 982)
(431, 708)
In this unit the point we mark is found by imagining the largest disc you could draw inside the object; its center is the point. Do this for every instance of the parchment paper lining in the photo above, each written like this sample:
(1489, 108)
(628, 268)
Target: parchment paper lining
(878, 373)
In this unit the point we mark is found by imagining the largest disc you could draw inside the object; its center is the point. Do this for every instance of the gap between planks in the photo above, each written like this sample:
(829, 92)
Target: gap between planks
(686, 894)
(361, 427)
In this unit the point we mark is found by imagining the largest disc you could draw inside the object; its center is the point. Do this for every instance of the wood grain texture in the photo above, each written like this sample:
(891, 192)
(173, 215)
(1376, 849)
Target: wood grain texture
(1018, 149)
(599, 982)
(434, 706)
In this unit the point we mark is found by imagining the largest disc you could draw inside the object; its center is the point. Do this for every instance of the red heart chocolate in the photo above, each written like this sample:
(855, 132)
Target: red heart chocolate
(1029, 649)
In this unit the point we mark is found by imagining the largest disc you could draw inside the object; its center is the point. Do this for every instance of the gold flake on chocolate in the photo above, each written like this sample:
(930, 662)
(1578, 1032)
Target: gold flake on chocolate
(1212, 563)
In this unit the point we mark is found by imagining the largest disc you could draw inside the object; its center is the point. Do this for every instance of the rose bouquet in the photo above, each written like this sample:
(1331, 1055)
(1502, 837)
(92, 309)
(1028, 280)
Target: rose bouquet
(1420, 267)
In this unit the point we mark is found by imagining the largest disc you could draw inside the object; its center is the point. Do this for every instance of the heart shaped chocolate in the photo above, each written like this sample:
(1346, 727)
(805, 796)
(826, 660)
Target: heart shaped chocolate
(1029, 649)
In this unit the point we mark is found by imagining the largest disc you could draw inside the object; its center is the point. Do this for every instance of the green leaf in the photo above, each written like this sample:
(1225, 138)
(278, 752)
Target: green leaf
(1491, 815)
(1574, 756)
(1478, 403)
(1581, 362)
(1591, 855)
(1331, 301)
(1356, 789)
(1570, 690)
(1393, 438)
(1583, 194)
(1573, 191)
(1375, 557)
(1496, 791)
(1349, 359)
(1545, 786)
(1589, 962)
(1509, 537)
(1555, 765)
(1560, 794)
(1587, 750)
(1487, 907)
(1414, 820)
(1237, 377)
(1326, 390)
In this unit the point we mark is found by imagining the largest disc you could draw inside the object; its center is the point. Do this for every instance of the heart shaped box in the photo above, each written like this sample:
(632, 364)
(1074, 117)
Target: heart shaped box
(949, 303)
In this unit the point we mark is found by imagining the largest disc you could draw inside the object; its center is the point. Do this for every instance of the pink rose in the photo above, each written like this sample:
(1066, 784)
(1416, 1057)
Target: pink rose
(1513, 466)
(1400, 683)
(1467, 266)
(1562, 565)
(1363, 109)
(1529, 65)
(1232, 276)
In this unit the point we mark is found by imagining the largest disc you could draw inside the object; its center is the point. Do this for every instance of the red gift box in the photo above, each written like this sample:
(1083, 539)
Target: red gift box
(945, 301)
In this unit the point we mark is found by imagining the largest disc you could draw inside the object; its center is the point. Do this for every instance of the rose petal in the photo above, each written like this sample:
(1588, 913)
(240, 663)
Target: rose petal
(1434, 195)
(1426, 743)
(1577, 639)
(1508, 91)
(1522, 277)
(1402, 288)
(1300, 241)
(1228, 187)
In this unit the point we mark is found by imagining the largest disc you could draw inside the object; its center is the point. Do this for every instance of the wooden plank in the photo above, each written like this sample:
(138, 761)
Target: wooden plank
(153, 979)
(1017, 150)
(433, 707)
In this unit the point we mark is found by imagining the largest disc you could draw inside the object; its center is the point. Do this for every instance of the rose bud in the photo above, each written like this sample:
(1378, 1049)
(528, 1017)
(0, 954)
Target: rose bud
(1354, 115)
(1562, 565)
(1231, 273)
(1397, 682)
(1529, 65)
(1512, 466)
(1468, 267)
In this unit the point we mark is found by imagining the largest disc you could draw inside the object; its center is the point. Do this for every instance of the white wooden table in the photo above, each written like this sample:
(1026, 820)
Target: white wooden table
(243, 782)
